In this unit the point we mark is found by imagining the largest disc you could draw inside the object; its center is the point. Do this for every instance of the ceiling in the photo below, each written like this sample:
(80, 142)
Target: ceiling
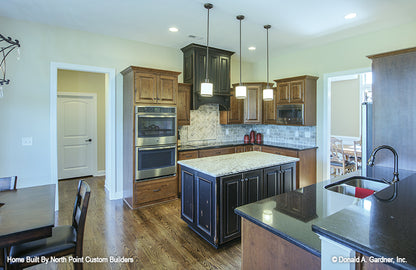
(295, 24)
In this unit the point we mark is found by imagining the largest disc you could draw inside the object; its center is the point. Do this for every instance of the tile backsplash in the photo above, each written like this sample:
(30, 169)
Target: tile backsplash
(205, 128)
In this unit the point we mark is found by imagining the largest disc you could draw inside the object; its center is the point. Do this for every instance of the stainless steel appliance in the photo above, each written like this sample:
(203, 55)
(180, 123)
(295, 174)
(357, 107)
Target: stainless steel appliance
(155, 161)
(156, 139)
(366, 135)
(290, 114)
(155, 125)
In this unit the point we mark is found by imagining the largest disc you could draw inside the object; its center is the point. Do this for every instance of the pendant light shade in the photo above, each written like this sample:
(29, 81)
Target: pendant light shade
(268, 92)
(207, 87)
(241, 90)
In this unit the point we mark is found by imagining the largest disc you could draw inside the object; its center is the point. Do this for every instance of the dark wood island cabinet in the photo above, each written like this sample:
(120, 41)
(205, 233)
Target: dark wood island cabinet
(209, 197)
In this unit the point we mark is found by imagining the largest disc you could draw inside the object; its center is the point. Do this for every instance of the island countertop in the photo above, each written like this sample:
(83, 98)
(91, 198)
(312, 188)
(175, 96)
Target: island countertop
(371, 226)
(222, 165)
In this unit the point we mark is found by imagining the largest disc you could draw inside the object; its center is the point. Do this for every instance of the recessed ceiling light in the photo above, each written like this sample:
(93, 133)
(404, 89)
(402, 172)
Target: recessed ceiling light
(173, 29)
(252, 48)
(350, 16)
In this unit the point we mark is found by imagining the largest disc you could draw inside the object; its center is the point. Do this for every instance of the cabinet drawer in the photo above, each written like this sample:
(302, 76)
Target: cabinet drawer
(248, 148)
(155, 190)
(216, 152)
(240, 149)
(279, 151)
(187, 155)
(256, 148)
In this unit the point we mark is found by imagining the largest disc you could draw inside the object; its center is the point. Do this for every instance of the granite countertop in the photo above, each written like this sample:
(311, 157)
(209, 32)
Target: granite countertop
(217, 166)
(382, 225)
(189, 147)
(372, 226)
(317, 204)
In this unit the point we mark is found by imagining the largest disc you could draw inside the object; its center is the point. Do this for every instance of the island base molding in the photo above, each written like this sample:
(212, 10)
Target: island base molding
(262, 249)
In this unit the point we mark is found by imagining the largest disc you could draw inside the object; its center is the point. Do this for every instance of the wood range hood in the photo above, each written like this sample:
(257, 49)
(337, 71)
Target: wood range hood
(194, 70)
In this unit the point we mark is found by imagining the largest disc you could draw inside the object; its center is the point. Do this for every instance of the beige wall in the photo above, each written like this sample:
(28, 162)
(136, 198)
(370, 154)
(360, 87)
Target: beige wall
(345, 108)
(341, 55)
(88, 82)
(25, 107)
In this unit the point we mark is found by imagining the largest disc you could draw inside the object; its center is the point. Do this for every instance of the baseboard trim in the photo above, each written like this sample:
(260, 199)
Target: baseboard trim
(100, 173)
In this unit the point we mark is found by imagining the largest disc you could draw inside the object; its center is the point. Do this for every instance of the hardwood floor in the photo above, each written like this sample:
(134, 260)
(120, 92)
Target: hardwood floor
(154, 236)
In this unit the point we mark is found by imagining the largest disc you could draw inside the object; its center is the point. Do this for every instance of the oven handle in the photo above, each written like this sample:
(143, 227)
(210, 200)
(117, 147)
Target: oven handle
(156, 147)
(159, 115)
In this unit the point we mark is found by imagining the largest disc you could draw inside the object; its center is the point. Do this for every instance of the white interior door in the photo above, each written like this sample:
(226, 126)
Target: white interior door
(77, 134)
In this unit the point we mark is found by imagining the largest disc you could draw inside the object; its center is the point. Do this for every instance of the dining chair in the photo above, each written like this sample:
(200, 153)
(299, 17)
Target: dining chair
(8, 183)
(65, 239)
(338, 160)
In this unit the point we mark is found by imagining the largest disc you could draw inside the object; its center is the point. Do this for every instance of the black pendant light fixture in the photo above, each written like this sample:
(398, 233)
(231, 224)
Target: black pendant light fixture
(207, 87)
(268, 92)
(241, 90)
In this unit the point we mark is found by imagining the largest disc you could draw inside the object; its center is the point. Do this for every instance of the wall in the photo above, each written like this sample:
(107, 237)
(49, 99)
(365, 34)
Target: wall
(205, 127)
(88, 82)
(345, 108)
(25, 105)
(342, 55)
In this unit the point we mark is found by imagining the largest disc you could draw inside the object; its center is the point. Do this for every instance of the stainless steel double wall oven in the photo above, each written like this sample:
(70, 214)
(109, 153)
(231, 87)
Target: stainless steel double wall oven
(155, 141)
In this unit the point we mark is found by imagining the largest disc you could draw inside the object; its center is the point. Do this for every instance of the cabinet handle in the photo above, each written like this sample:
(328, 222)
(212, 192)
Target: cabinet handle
(242, 180)
(156, 190)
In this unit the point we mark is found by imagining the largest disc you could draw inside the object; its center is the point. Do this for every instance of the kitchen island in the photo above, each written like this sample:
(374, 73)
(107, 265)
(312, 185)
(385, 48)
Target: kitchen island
(281, 232)
(212, 187)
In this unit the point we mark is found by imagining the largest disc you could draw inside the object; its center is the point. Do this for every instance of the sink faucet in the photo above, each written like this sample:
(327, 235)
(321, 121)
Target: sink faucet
(396, 160)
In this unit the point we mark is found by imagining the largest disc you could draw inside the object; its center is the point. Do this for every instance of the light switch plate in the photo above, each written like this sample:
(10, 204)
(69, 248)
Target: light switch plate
(26, 141)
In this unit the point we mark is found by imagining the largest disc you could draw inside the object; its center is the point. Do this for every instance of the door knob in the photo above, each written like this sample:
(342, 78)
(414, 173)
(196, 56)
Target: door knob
(89, 140)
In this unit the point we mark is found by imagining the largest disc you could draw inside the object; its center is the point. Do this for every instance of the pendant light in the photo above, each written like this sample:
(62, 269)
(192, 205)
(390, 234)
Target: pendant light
(207, 87)
(241, 90)
(268, 92)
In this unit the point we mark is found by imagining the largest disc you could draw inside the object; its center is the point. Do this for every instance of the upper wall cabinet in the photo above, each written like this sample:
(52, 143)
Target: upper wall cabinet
(236, 113)
(253, 104)
(194, 72)
(269, 110)
(184, 104)
(153, 86)
(299, 90)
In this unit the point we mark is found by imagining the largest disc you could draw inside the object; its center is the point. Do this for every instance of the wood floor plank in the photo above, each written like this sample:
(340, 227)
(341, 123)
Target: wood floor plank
(154, 236)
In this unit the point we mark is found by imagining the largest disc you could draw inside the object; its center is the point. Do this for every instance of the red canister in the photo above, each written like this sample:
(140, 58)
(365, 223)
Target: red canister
(252, 136)
(258, 138)
(246, 139)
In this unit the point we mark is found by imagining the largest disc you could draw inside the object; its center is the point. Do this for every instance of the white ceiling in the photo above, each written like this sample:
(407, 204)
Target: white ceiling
(295, 23)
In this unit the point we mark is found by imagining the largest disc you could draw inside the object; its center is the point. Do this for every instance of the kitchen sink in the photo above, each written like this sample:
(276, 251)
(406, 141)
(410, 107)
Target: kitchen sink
(357, 186)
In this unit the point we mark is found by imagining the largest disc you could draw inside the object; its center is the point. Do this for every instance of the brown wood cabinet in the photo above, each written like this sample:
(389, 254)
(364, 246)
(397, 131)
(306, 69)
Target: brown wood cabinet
(155, 191)
(306, 166)
(269, 110)
(236, 113)
(145, 86)
(184, 104)
(253, 104)
(216, 151)
(153, 86)
(262, 249)
(299, 90)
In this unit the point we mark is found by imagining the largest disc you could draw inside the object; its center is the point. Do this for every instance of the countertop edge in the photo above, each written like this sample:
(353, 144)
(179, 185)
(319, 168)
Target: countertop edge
(279, 233)
(202, 147)
(291, 160)
(356, 247)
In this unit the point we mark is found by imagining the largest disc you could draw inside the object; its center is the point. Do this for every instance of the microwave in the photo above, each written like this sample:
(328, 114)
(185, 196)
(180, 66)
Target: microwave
(290, 114)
